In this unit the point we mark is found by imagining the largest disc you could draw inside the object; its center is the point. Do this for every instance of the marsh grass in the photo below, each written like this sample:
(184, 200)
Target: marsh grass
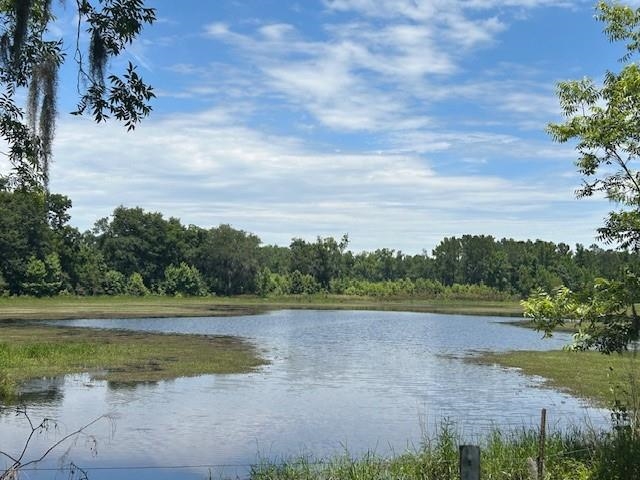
(35, 351)
(572, 455)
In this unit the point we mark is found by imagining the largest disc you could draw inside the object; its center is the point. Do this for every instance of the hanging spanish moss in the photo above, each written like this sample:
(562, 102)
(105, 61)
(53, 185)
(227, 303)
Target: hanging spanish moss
(48, 114)
(97, 57)
(33, 101)
(41, 110)
(22, 11)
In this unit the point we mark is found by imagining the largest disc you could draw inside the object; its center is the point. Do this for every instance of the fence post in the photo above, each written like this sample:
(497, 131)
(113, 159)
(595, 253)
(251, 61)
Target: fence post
(543, 434)
(469, 462)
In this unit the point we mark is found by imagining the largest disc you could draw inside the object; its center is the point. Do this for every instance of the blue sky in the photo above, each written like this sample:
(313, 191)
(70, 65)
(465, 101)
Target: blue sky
(398, 122)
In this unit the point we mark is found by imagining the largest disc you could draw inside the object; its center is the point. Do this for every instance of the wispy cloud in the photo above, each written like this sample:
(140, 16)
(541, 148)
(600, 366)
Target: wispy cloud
(384, 119)
(206, 171)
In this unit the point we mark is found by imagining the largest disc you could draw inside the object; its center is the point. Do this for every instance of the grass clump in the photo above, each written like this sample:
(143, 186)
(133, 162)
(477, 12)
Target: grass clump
(572, 455)
(35, 351)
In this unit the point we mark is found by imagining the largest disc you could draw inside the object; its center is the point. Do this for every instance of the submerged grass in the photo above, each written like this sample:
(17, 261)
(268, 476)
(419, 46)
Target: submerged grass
(575, 455)
(35, 351)
(591, 375)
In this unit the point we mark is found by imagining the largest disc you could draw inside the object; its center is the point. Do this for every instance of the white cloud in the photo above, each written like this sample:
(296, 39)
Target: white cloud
(365, 74)
(402, 140)
(207, 169)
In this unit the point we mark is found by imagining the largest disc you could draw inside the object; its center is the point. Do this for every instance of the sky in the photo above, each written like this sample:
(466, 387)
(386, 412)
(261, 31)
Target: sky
(397, 122)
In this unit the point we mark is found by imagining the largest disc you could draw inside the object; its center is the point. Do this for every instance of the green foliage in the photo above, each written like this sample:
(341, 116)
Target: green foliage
(264, 284)
(138, 241)
(606, 319)
(227, 259)
(43, 277)
(183, 279)
(603, 121)
(4, 286)
(136, 286)
(231, 261)
(114, 283)
(89, 271)
(303, 284)
(322, 260)
(618, 458)
(23, 233)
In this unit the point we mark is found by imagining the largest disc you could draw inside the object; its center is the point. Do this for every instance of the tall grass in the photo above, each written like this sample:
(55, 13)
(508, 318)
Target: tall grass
(570, 455)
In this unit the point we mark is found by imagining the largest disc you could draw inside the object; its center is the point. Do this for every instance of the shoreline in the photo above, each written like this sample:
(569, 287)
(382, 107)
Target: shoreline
(68, 308)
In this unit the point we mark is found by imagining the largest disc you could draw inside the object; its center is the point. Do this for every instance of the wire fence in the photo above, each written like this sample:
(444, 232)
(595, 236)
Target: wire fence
(509, 427)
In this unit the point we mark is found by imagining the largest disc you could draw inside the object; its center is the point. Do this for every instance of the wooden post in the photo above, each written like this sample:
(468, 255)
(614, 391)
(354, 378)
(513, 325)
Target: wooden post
(543, 435)
(469, 462)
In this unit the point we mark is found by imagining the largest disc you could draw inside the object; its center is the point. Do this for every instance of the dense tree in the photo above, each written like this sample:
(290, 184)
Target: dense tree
(275, 258)
(228, 260)
(183, 279)
(30, 59)
(446, 258)
(137, 241)
(43, 277)
(135, 286)
(322, 260)
(169, 258)
(24, 233)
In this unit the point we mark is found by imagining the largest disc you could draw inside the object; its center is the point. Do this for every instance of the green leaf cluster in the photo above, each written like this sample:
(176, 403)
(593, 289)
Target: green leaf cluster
(604, 122)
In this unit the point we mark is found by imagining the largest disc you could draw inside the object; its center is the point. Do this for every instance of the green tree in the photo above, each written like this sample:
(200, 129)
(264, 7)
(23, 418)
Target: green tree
(446, 257)
(138, 241)
(183, 279)
(604, 122)
(114, 283)
(322, 260)
(43, 277)
(30, 60)
(89, 269)
(264, 283)
(135, 285)
(228, 260)
(4, 286)
(23, 233)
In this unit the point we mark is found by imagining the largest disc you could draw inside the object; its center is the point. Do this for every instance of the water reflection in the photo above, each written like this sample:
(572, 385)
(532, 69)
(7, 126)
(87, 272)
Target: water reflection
(357, 380)
(42, 391)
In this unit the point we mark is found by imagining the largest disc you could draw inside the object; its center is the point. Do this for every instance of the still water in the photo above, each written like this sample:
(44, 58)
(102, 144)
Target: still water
(338, 381)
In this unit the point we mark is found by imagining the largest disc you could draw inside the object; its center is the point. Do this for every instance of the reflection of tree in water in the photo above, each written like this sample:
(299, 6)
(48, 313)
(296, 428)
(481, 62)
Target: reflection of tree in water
(41, 391)
(129, 386)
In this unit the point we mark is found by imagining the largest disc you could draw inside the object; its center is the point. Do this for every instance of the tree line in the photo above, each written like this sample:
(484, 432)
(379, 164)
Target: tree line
(137, 252)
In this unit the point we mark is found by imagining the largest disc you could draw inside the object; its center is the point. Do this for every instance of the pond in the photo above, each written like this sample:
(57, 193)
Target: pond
(338, 381)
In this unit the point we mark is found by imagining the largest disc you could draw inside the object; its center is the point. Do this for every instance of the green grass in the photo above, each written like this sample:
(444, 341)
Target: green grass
(64, 307)
(32, 351)
(576, 455)
(591, 375)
